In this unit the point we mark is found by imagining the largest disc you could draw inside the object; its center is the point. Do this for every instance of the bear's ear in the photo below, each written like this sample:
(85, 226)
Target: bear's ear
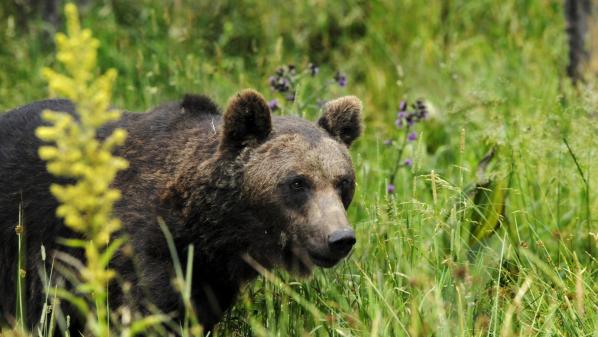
(247, 119)
(342, 118)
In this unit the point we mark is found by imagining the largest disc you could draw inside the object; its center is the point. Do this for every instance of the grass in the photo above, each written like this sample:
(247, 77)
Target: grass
(493, 76)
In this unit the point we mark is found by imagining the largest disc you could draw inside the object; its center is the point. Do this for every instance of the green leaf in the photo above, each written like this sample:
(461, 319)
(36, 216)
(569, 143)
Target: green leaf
(141, 325)
(76, 301)
(110, 250)
(72, 243)
(488, 207)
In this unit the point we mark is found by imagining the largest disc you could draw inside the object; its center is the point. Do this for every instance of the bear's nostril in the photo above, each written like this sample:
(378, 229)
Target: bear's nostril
(341, 241)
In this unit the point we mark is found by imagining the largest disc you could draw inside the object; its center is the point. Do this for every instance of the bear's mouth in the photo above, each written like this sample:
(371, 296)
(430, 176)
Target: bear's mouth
(322, 261)
(302, 261)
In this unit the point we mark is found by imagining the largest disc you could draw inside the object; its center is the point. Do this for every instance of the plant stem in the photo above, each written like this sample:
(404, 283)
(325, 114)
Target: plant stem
(586, 194)
(398, 161)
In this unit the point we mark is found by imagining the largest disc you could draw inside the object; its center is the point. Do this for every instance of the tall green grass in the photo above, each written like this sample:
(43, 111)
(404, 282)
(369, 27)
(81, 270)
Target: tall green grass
(493, 76)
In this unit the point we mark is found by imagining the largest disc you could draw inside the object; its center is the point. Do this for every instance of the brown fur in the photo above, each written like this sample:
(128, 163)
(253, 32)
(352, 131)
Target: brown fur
(342, 118)
(227, 185)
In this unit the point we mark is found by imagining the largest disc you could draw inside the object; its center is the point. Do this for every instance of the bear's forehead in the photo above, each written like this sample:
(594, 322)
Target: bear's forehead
(290, 125)
(295, 151)
(293, 135)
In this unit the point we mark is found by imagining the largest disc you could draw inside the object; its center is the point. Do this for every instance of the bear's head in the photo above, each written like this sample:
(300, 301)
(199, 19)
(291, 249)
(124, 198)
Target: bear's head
(296, 179)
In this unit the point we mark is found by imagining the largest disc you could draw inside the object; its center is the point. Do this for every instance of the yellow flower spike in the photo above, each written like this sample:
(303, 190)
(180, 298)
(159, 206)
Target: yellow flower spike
(65, 57)
(60, 39)
(72, 19)
(48, 152)
(110, 76)
(55, 168)
(113, 194)
(74, 221)
(75, 153)
(53, 117)
(46, 133)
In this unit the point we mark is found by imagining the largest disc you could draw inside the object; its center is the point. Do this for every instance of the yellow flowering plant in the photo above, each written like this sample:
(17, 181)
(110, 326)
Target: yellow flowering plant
(73, 151)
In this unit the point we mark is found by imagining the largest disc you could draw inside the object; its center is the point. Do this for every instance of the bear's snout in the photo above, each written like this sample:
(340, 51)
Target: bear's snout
(341, 241)
(331, 238)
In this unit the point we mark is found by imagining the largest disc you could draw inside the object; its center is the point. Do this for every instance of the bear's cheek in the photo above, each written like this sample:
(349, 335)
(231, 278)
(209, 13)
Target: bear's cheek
(296, 260)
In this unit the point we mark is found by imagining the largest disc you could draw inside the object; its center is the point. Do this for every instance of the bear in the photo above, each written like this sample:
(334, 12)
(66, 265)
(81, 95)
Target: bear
(247, 189)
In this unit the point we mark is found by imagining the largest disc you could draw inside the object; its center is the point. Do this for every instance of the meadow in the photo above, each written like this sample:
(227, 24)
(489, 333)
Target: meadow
(477, 217)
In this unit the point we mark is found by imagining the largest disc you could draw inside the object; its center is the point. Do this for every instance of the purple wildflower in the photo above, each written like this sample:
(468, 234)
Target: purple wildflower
(421, 109)
(412, 136)
(280, 84)
(412, 117)
(272, 81)
(290, 97)
(273, 104)
(408, 162)
(399, 123)
(340, 78)
(283, 84)
(342, 81)
(388, 142)
(403, 106)
(283, 79)
(390, 188)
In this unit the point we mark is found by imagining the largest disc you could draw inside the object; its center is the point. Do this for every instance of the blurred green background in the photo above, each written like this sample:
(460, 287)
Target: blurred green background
(449, 251)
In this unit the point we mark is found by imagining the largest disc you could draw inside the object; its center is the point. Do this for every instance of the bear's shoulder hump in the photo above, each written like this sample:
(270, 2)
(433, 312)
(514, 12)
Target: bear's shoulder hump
(199, 104)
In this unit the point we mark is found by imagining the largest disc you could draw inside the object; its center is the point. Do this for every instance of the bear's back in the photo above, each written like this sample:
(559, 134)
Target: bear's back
(23, 175)
(24, 183)
(153, 138)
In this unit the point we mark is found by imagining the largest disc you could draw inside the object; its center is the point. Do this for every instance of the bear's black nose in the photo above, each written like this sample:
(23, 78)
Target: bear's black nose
(341, 241)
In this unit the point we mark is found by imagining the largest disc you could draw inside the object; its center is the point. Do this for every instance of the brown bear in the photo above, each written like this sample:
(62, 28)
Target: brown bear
(245, 188)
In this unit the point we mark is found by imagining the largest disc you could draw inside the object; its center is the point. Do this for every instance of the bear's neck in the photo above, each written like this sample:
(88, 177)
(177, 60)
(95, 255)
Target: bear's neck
(206, 202)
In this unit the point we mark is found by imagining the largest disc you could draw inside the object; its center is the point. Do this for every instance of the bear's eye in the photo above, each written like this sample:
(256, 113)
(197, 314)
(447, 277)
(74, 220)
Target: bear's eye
(344, 183)
(298, 184)
(345, 188)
